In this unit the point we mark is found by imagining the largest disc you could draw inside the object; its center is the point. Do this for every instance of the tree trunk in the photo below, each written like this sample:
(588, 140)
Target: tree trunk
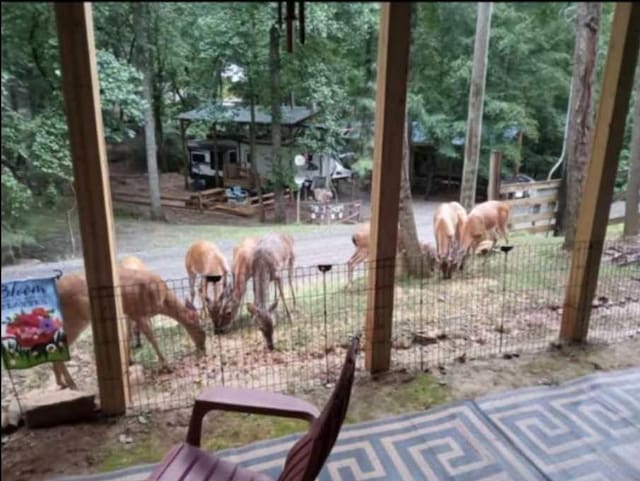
(149, 120)
(632, 209)
(413, 262)
(580, 131)
(280, 215)
(476, 104)
(369, 48)
(252, 149)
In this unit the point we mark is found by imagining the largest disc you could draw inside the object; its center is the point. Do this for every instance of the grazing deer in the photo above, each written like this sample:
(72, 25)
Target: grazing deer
(205, 259)
(485, 220)
(271, 255)
(135, 263)
(227, 308)
(448, 222)
(361, 240)
(143, 293)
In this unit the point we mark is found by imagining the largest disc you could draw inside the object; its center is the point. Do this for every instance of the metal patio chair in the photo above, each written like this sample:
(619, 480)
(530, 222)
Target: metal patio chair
(186, 461)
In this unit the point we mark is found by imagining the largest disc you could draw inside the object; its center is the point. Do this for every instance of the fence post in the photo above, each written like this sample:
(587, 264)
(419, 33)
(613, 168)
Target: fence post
(601, 171)
(495, 162)
(391, 97)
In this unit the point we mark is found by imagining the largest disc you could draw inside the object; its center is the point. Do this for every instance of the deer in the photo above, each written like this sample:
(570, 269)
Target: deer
(361, 240)
(227, 308)
(135, 263)
(271, 255)
(487, 219)
(144, 294)
(448, 222)
(204, 259)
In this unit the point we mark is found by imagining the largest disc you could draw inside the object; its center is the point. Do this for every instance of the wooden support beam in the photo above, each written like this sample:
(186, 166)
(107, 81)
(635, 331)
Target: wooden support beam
(601, 171)
(88, 152)
(391, 96)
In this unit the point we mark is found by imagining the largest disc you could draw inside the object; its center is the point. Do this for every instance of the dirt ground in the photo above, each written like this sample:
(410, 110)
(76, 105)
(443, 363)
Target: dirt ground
(106, 444)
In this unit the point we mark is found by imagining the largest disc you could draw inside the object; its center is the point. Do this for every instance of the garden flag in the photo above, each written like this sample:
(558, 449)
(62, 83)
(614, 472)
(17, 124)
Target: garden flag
(32, 331)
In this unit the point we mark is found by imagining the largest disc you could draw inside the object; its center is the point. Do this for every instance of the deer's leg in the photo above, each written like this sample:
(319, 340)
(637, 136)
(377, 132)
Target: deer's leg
(63, 378)
(203, 296)
(356, 259)
(192, 287)
(293, 294)
(134, 333)
(279, 284)
(504, 233)
(351, 263)
(144, 324)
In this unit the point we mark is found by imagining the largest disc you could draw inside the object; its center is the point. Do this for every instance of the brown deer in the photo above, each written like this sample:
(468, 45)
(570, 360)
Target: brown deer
(361, 240)
(143, 293)
(448, 222)
(227, 308)
(271, 255)
(487, 219)
(205, 259)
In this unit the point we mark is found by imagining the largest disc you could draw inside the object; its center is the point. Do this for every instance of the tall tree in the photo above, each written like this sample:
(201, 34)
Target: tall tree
(278, 169)
(140, 15)
(476, 104)
(631, 214)
(580, 129)
(412, 261)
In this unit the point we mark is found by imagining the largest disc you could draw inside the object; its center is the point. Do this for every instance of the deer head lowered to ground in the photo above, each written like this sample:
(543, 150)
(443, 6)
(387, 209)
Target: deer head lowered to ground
(143, 293)
(361, 240)
(272, 254)
(226, 310)
(486, 220)
(204, 259)
(448, 223)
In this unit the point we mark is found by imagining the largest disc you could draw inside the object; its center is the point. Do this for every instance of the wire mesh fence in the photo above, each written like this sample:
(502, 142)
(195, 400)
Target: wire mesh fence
(503, 303)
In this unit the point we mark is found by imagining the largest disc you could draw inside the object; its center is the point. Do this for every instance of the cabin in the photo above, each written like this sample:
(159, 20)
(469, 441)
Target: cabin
(223, 159)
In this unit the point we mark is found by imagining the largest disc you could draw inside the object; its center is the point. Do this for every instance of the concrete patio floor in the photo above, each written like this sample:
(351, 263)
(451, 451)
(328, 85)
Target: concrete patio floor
(584, 429)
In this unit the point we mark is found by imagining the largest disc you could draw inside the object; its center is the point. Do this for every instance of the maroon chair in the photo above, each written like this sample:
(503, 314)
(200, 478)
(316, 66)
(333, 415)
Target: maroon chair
(186, 461)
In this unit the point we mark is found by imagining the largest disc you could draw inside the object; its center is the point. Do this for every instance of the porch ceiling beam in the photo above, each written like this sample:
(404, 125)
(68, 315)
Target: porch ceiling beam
(91, 174)
(391, 96)
(601, 171)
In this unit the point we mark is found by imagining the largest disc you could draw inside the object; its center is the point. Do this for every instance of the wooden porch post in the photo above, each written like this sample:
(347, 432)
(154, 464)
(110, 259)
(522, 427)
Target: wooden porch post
(391, 96)
(601, 172)
(84, 118)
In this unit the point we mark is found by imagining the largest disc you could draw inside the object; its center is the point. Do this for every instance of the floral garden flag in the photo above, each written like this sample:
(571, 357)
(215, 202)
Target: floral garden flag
(32, 331)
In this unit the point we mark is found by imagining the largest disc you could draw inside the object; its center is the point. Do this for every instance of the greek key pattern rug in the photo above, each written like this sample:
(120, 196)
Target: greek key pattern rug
(587, 429)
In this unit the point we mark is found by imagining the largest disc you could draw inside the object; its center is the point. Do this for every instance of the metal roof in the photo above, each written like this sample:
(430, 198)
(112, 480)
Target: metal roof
(242, 115)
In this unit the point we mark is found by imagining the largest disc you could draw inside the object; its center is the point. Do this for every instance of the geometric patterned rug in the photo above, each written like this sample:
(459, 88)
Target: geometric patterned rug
(587, 429)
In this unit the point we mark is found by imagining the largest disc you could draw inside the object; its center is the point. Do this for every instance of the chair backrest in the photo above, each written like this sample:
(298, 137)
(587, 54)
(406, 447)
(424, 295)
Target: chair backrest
(308, 455)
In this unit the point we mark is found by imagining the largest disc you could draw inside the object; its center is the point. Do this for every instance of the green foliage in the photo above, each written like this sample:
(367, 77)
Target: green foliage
(121, 96)
(529, 70)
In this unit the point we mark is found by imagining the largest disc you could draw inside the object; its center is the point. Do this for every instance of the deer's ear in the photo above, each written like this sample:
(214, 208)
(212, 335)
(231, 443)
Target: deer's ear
(251, 308)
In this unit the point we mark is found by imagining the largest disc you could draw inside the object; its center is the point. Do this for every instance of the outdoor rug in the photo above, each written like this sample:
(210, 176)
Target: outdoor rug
(584, 429)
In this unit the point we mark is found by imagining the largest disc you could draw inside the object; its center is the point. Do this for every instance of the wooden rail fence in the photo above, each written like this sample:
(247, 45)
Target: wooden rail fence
(533, 204)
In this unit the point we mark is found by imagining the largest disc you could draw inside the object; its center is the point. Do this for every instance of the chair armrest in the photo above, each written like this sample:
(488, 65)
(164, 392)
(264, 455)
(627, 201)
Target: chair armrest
(251, 401)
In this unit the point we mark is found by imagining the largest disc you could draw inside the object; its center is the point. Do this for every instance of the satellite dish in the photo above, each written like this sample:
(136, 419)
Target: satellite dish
(299, 180)
(299, 160)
